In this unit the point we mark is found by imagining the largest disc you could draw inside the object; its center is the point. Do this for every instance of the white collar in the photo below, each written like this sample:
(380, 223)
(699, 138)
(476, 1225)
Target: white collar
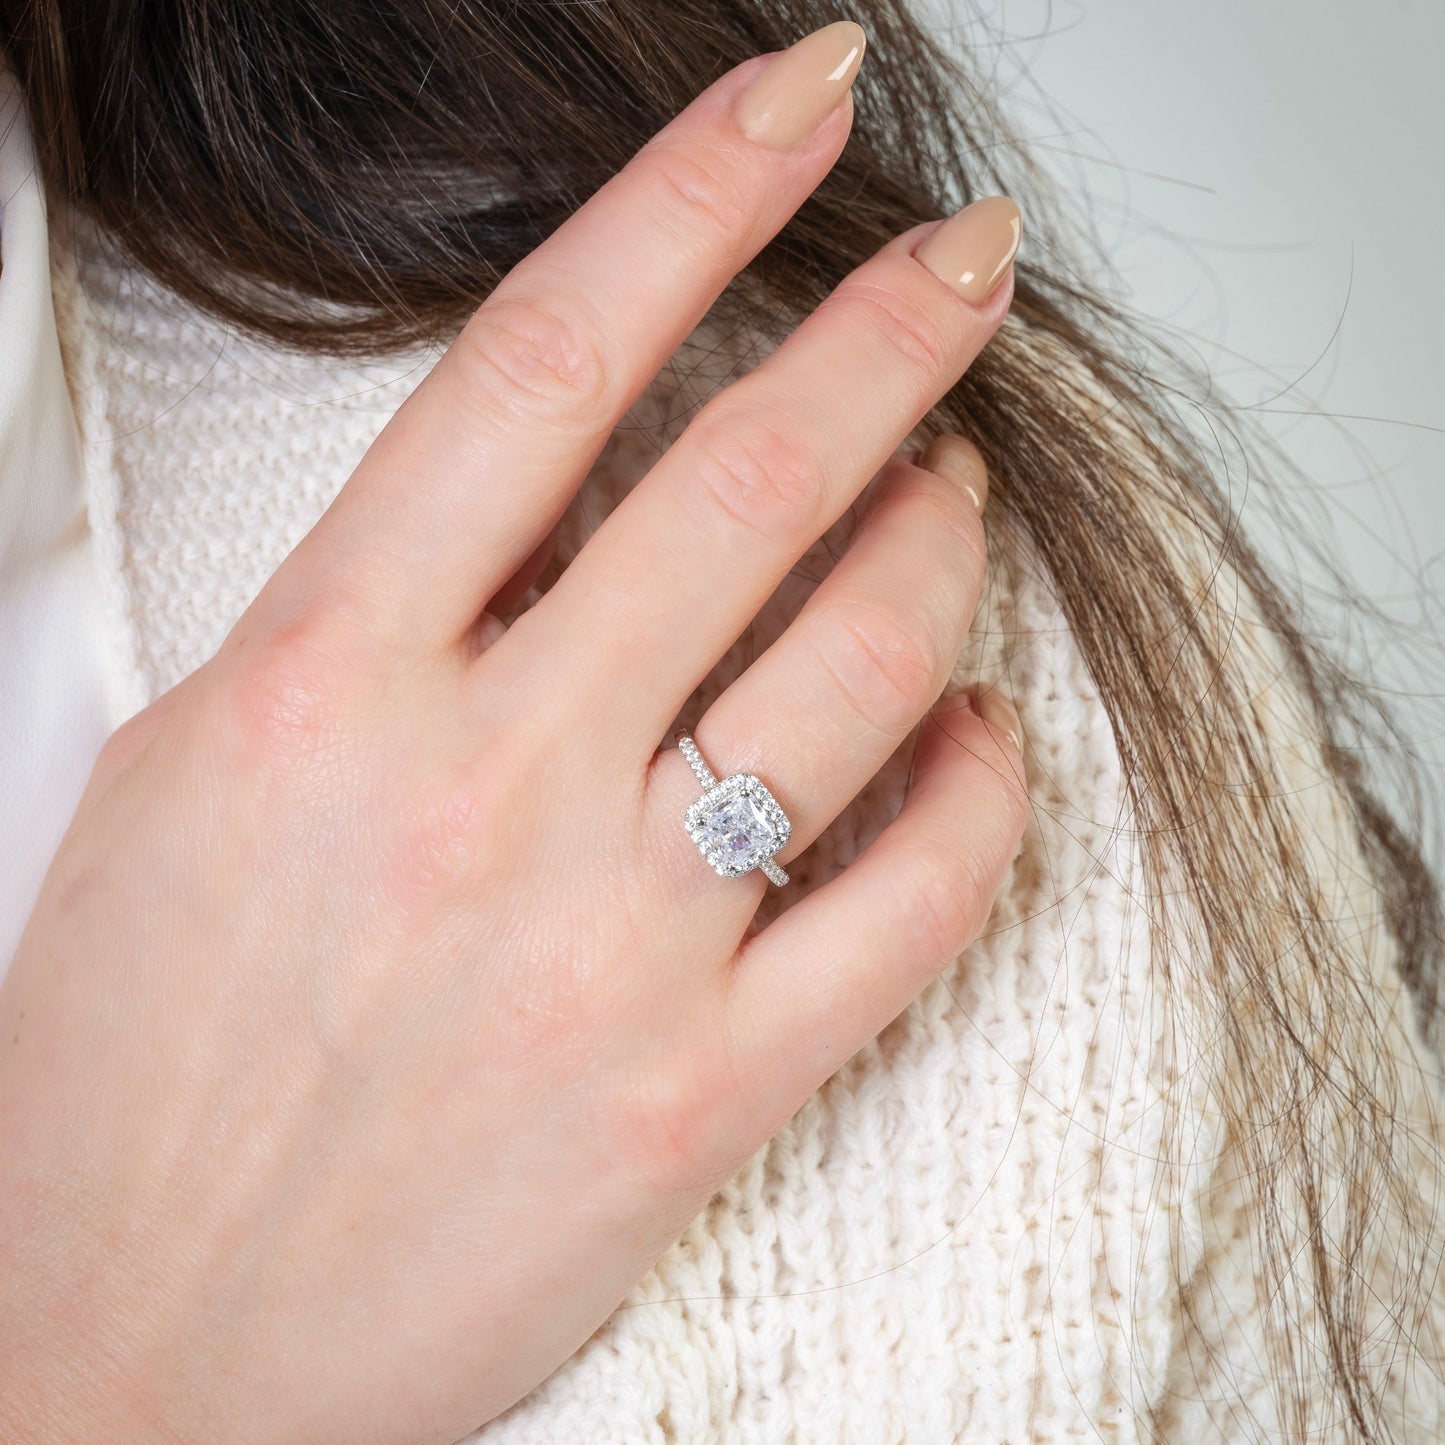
(43, 490)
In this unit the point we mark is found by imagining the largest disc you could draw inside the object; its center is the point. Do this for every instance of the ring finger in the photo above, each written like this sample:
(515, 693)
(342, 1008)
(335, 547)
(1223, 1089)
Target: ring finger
(827, 704)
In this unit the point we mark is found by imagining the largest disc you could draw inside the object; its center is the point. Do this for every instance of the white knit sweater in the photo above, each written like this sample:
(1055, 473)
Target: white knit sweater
(977, 1229)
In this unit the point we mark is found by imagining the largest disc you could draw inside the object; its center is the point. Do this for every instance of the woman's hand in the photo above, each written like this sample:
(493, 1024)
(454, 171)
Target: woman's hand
(379, 1024)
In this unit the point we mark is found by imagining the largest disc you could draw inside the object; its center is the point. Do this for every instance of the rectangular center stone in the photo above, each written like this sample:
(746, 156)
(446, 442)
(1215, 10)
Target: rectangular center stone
(738, 831)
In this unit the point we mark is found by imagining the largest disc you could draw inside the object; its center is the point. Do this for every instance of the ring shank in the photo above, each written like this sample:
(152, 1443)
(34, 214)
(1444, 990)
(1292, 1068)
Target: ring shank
(705, 776)
(700, 769)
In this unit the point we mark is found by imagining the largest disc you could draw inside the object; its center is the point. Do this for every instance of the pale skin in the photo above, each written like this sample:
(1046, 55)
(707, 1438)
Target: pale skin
(346, 1085)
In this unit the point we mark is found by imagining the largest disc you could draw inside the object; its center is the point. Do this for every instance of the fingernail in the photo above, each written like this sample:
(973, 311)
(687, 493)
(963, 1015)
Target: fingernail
(972, 249)
(786, 103)
(951, 456)
(998, 712)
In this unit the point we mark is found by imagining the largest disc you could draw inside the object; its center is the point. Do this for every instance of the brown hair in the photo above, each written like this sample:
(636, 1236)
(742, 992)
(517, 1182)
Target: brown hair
(354, 176)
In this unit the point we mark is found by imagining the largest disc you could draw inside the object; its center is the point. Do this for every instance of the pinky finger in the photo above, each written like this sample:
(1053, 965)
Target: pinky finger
(829, 974)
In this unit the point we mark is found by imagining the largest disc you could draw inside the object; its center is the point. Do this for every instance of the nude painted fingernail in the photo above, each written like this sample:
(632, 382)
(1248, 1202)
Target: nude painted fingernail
(951, 456)
(998, 712)
(786, 103)
(973, 248)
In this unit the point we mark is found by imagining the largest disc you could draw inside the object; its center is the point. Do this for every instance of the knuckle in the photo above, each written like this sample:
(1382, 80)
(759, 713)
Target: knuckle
(524, 356)
(758, 476)
(949, 895)
(126, 742)
(886, 669)
(164, 715)
(910, 332)
(284, 687)
(668, 1124)
(697, 199)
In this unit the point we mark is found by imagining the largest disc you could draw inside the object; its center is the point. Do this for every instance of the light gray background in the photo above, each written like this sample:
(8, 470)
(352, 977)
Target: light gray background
(1268, 179)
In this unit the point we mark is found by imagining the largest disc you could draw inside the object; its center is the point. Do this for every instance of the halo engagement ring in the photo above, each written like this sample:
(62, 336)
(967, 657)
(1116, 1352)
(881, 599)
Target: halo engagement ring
(737, 823)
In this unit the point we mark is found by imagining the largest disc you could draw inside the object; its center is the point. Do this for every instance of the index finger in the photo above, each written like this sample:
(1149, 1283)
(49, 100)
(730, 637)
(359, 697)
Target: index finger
(482, 459)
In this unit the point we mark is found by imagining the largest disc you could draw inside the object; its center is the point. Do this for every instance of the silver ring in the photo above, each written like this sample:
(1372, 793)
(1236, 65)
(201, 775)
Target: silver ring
(737, 824)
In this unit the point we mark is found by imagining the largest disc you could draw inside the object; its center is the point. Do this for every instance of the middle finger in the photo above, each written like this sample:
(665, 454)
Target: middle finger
(869, 652)
(674, 575)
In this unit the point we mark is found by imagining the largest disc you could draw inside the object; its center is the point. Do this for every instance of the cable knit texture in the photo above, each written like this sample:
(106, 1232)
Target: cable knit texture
(977, 1230)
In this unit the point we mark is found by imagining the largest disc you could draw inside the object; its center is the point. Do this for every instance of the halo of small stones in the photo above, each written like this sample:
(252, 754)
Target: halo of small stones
(739, 783)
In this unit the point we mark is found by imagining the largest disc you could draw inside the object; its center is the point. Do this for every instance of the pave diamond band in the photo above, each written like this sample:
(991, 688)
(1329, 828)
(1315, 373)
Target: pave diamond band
(737, 824)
